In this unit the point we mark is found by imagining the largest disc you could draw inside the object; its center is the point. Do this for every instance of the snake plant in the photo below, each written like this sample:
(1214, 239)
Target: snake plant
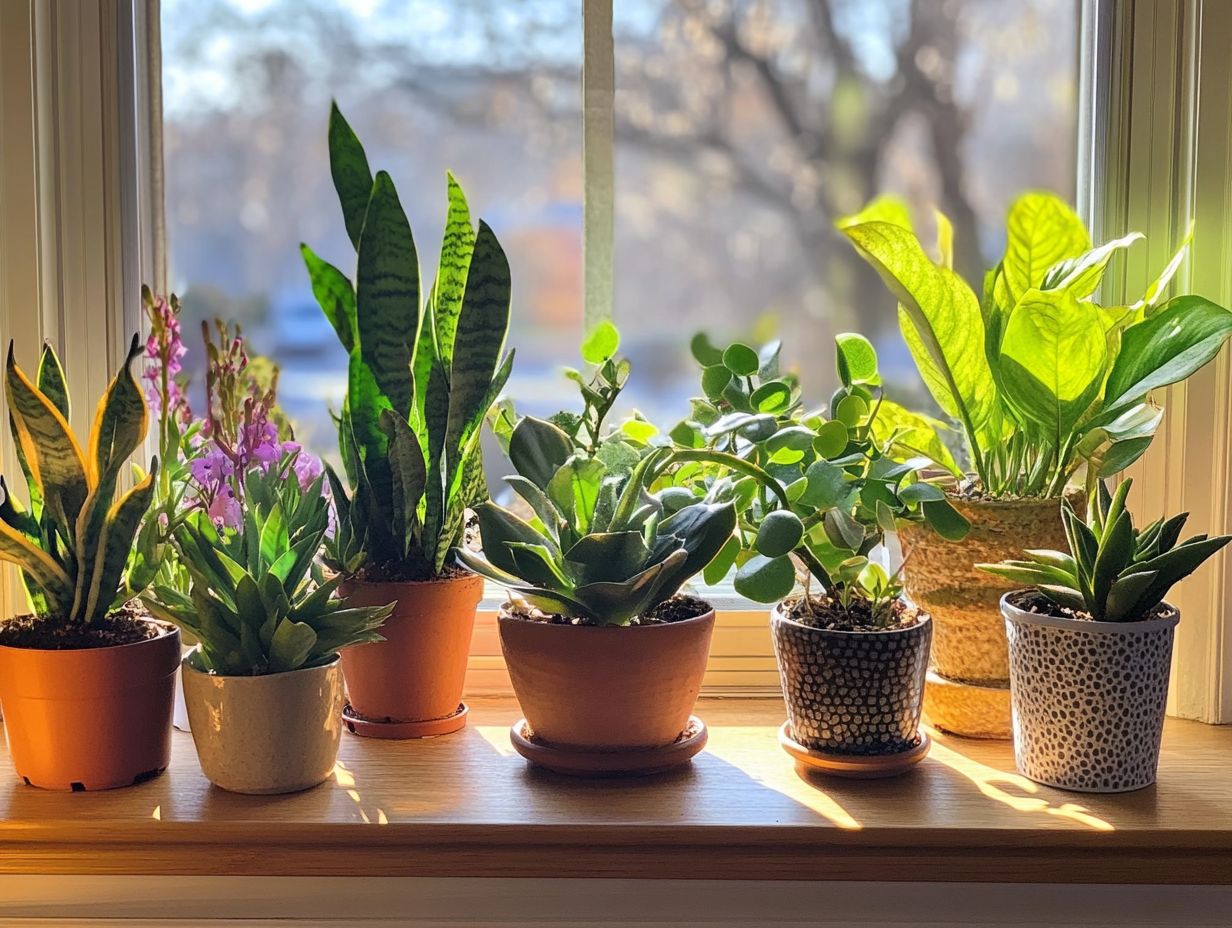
(258, 602)
(422, 373)
(72, 544)
(1116, 572)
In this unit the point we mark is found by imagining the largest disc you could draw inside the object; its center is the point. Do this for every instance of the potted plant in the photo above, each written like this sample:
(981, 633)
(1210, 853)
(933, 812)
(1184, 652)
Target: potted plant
(1043, 381)
(605, 655)
(815, 496)
(1090, 645)
(422, 377)
(263, 685)
(86, 681)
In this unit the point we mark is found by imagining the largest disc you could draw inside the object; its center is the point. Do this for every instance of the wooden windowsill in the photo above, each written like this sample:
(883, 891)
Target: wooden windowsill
(466, 805)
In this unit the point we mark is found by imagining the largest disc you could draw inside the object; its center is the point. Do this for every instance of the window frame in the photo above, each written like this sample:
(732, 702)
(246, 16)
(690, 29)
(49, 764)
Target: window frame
(80, 168)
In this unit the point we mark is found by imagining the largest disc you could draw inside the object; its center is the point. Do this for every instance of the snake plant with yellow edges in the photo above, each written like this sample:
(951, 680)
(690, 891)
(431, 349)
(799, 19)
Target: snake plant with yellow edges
(73, 542)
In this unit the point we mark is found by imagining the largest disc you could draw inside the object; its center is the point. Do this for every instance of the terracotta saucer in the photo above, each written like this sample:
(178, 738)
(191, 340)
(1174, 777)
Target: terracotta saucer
(401, 730)
(853, 766)
(579, 763)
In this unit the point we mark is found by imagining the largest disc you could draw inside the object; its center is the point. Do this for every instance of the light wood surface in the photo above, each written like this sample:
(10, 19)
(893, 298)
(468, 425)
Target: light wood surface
(466, 805)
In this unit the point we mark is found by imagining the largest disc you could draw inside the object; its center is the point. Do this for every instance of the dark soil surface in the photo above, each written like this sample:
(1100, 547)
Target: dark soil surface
(677, 609)
(1038, 604)
(826, 612)
(125, 626)
(407, 573)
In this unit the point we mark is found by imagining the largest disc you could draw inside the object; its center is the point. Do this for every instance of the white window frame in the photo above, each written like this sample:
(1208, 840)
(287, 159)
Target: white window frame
(1158, 156)
(80, 190)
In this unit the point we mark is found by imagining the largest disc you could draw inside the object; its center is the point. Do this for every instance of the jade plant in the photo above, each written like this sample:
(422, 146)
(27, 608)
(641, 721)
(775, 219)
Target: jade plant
(815, 490)
(605, 544)
(1117, 573)
(1040, 376)
(422, 372)
(258, 601)
(73, 542)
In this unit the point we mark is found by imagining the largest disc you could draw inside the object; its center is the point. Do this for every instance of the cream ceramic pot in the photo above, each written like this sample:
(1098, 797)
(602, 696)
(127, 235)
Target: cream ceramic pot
(276, 733)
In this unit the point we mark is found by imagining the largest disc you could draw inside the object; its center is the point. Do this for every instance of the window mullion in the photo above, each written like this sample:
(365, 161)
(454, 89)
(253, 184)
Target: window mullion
(598, 140)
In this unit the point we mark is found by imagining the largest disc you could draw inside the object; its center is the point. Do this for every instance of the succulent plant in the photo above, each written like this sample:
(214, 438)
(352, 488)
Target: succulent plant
(1116, 572)
(601, 546)
(258, 601)
(422, 374)
(818, 489)
(73, 543)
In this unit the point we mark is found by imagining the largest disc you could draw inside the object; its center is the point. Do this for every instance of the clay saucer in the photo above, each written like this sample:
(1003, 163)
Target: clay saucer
(853, 766)
(580, 763)
(395, 729)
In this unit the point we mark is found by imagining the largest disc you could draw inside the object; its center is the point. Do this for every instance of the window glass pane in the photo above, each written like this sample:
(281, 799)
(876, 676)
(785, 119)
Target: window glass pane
(486, 88)
(746, 127)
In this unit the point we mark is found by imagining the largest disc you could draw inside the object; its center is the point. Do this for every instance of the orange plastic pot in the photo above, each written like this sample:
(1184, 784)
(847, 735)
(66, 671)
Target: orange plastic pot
(607, 688)
(93, 718)
(410, 684)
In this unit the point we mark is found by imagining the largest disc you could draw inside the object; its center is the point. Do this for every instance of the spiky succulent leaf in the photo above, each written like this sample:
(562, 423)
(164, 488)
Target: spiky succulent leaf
(1115, 573)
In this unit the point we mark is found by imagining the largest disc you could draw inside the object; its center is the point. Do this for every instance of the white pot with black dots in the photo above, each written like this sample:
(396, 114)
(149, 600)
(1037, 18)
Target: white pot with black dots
(1088, 697)
(853, 697)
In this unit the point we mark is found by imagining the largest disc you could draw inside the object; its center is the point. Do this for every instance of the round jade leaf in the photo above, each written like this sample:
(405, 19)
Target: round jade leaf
(704, 353)
(675, 498)
(850, 410)
(741, 360)
(831, 439)
(779, 534)
(715, 380)
(765, 579)
(771, 397)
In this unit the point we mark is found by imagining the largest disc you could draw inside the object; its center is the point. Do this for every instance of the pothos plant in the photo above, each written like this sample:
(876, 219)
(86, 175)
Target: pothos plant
(1040, 377)
(422, 372)
(817, 489)
(610, 537)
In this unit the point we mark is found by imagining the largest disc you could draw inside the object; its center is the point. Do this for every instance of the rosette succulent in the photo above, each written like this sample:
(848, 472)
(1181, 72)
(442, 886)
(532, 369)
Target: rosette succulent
(1117, 573)
(604, 543)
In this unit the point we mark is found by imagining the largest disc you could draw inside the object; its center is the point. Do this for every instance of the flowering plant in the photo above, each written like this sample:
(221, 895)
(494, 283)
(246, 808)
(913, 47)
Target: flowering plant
(207, 458)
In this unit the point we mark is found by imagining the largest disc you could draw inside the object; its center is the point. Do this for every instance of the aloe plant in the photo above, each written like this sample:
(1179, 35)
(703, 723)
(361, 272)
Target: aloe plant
(817, 489)
(73, 542)
(605, 545)
(1117, 572)
(1040, 377)
(258, 602)
(422, 372)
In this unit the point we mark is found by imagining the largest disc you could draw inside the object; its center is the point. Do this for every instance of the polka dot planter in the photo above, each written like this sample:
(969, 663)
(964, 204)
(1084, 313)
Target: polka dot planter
(1088, 698)
(856, 693)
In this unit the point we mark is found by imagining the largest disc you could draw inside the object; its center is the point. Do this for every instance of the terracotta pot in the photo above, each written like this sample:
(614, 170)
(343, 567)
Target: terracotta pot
(93, 718)
(606, 688)
(941, 578)
(1089, 698)
(852, 692)
(276, 733)
(410, 684)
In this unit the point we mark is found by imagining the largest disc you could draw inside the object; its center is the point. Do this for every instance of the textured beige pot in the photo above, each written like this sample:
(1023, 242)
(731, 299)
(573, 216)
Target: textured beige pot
(941, 578)
(276, 733)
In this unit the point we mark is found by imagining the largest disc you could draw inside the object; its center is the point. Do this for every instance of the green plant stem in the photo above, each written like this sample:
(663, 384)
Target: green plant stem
(763, 477)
